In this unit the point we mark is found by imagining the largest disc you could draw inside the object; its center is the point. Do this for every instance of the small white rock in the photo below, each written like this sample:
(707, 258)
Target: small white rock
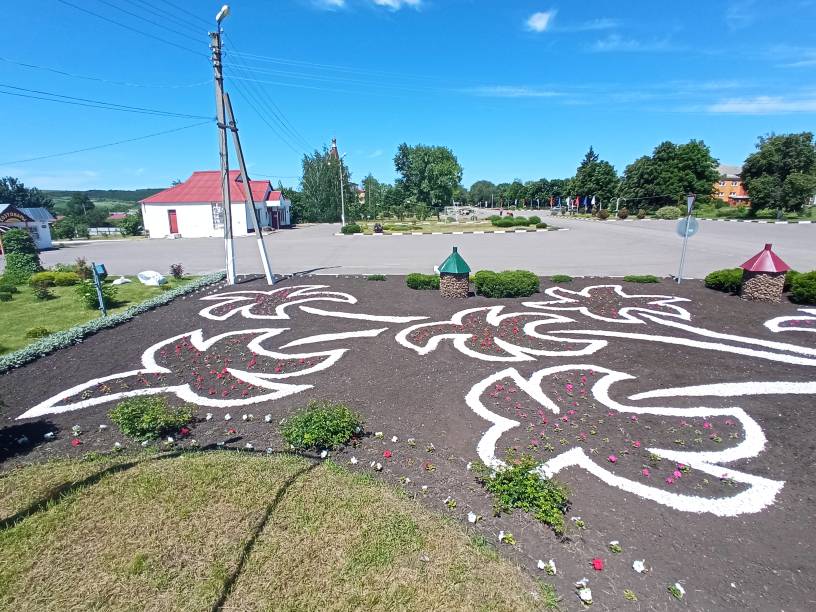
(469, 465)
(680, 588)
(378, 467)
(268, 418)
(394, 439)
(170, 439)
(249, 446)
(585, 594)
(244, 417)
(501, 535)
(378, 434)
(145, 442)
(353, 461)
(270, 450)
(227, 417)
(103, 427)
(472, 517)
(117, 445)
(424, 488)
(324, 454)
(639, 565)
(373, 463)
(22, 440)
(49, 435)
(209, 416)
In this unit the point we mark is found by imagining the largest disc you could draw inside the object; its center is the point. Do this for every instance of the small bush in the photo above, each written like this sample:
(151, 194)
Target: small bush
(20, 267)
(86, 291)
(561, 278)
(375, 277)
(8, 288)
(37, 332)
(146, 418)
(729, 213)
(534, 220)
(603, 214)
(41, 291)
(641, 214)
(5, 296)
(803, 288)
(790, 275)
(623, 213)
(82, 268)
(322, 425)
(728, 280)
(351, 228)
(18, 240)
(641, 278)
(541, 226)
(176, 271)
(52, 278)
(504, 222)
(422, 281)
(518, 487)
(668, 212)
(508, 284)
(764, 213)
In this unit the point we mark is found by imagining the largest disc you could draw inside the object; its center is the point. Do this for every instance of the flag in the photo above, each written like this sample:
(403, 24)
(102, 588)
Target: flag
(559, 201)
(593, 201)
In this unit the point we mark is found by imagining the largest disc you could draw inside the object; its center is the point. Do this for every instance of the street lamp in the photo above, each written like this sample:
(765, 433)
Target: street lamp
(342, 196)
(689, 205)
(222, 14)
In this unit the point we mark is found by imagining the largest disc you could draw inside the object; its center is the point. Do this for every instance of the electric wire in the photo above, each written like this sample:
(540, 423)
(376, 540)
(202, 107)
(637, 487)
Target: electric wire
(182, 22)
(102, 146)
(150, 21)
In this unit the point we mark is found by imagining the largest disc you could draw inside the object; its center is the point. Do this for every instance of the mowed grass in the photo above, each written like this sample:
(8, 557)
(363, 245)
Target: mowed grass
(25, 311)
(238, 531)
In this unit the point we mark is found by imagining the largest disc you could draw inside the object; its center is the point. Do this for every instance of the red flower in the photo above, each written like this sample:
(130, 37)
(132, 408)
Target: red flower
(231, 431)
(184, 431)
(597, 564)
(387, 454)
(76, 442)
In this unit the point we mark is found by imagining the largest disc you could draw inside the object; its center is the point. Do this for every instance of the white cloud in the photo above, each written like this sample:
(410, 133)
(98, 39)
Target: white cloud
(603, 23)
(764, 105)
(616, 42)
(539, 22)
(740, 14)
(512, 91)
(396, 5)
(330, 5)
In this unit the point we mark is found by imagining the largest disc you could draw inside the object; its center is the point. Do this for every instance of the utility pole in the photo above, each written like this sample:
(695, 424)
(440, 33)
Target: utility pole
(249, 201)
(342, 195)
(215, 45)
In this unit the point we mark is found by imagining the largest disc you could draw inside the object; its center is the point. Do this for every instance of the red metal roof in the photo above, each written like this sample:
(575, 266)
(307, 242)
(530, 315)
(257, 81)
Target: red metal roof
(765, 261)
(205, 186)
(274, 195)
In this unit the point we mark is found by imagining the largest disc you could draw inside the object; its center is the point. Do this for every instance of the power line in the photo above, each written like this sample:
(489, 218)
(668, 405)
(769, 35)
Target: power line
(182, 22)
(102, 80)
(150, 21)
(102, 146)
(183, 10)
(132, 29)
(94, 103)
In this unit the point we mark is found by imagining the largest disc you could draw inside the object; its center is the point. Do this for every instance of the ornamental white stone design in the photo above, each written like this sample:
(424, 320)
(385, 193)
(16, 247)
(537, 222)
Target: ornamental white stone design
(758, 493)
(274, 304)
(251, 384)
(800, 323)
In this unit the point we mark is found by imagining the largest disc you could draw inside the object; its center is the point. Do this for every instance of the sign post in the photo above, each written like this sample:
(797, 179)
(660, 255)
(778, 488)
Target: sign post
(97, 279)
(685, 228)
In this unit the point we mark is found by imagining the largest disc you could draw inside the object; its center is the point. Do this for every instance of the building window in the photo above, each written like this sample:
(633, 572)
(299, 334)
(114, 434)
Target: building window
(722, 183)
(733, 193)
(733, 183)
(217, 215)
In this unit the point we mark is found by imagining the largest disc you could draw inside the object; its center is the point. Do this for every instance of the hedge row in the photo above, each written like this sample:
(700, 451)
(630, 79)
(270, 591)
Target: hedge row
(75, 334)
(508, 284)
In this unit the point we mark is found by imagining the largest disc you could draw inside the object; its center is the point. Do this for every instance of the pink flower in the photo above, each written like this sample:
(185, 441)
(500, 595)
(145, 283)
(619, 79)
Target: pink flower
(636, 443)
(568, 387)
(387, 454)
(706, 425)
(669, 480)
(612, 459)
(634, 418)
(597, 564)
(76, 442)
(677, 474)
(646, 473)
(565, 419)
(583, 378)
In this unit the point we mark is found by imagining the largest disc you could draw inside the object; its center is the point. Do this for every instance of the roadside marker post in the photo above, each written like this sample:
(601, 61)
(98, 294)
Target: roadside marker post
(686, 229)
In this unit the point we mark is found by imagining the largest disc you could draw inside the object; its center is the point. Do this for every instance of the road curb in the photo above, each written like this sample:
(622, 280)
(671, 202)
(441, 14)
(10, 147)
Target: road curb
(518, 231)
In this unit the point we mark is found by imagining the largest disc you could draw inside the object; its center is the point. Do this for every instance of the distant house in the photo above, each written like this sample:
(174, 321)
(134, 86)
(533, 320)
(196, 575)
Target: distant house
(279, 208)
(117, 216)
(37, 221)
(729, 188)
(194, 208)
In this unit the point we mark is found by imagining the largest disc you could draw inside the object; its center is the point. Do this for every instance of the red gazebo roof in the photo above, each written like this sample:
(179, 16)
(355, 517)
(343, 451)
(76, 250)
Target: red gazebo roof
(765, 261)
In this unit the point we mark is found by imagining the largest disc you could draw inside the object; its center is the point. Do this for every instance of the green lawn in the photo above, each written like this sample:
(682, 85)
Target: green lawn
(25, 311)
(237, 531)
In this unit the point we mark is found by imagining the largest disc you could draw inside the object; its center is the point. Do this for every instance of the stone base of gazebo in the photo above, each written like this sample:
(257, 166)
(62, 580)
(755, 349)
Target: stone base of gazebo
(762, 286)
(454, 286)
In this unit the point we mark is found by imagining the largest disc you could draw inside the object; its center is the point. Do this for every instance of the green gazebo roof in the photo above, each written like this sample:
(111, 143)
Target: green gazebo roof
(454, 264)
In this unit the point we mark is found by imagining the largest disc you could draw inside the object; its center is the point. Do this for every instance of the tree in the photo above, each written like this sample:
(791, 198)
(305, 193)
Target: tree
(482, 191)
(373, 196)
(79, 205)
(429, 174)
(670, 173)
(781, 172)
(595, 177)
(131, 225)
(12, 191)
(320, 189)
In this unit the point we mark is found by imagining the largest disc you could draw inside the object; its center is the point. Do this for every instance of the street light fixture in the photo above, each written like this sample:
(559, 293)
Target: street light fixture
(222, 14)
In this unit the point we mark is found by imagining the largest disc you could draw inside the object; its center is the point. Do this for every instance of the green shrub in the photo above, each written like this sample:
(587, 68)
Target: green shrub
(416, 280)
(728, 280)
(146, 418)
(518, 486)
(176, 271)
(5, 296)
(534, 220)
(322, 425)
(351, 228)
(19, 241)
(641, 278)
(668, 212)
(41, 291)
(641, 214)
(729, 213)
(20, 267)
(37, 332)
(541, 226)
(803, 288)
(8, 288)
(375, 277)
(765, 213)
(86, 291)
(561, 278)
(54, 278)
(790, 275)
(623, 213)
(507, 284)
(603, 214)
(511, 221)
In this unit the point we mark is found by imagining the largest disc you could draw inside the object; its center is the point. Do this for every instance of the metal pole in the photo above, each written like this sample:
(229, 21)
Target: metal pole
(222, 147)
(98, 290)
(249, 201)
(342, 197)
(685, 242)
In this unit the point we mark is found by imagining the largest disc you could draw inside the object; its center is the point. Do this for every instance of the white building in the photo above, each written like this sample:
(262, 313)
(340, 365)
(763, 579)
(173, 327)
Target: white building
(37, 221)
(195, 209)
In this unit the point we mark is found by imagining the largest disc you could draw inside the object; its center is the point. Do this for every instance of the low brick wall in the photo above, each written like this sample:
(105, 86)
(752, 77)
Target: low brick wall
(762, 286)
(454, 286)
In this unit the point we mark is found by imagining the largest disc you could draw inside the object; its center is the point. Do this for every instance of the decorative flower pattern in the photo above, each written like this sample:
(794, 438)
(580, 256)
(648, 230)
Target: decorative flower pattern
(802, 323)
(673, 456)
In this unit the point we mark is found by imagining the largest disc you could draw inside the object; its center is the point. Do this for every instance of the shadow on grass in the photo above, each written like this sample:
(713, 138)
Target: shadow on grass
(229, 583)
(20, 439)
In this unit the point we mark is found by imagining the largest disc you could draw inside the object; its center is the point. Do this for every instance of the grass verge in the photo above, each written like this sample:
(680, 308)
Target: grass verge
(240, 531)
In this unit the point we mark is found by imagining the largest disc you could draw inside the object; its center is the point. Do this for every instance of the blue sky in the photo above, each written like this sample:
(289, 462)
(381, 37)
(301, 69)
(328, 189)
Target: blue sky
(517, 89)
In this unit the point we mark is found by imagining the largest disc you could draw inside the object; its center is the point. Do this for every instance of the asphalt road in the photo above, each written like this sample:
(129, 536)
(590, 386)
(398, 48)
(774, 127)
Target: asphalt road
(588, 247)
